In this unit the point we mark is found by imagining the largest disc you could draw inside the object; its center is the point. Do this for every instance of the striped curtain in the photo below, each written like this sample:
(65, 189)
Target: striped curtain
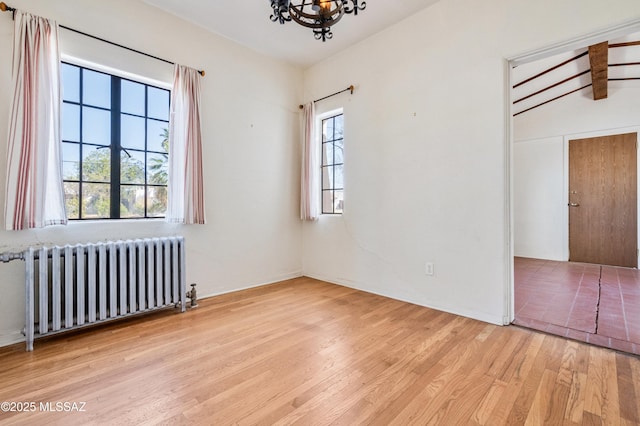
(186, 188)
(34, 192)
(310, 183)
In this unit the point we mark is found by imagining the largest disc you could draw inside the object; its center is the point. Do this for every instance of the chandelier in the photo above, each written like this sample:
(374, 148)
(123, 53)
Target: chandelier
(319, 15)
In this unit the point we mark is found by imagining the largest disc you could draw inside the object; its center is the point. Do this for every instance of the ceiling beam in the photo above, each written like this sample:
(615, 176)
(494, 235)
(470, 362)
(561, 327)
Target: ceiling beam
(599, 59)
(625, 44)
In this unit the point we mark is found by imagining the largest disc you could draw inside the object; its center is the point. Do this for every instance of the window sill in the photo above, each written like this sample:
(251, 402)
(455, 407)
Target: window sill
(118, 221)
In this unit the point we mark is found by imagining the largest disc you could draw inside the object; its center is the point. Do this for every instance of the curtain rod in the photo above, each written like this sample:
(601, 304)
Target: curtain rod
(350, 88)
(5, 8)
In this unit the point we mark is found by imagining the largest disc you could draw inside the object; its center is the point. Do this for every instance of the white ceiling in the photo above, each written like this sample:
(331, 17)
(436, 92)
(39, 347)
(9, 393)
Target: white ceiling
(247, 22)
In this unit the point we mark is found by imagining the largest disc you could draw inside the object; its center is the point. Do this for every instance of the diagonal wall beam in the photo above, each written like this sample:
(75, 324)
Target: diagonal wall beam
(599, 59)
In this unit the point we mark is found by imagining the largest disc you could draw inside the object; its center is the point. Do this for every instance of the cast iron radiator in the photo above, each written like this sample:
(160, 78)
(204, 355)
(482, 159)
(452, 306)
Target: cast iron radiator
(85, 284)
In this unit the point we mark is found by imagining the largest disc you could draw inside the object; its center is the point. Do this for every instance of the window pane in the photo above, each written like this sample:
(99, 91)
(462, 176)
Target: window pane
(132, 167)
(338, 182)
(70, 83)
(157, 169)
(327, 201)
(132, 97)
(70, 161)
(96, 126)
(327, 177)
(96, 89)
(338, 126)
(158, 106)
(70, 122)
(96, 164)
(132, 131)
(131, 201)
(157, 201)
(338, 201)
(327, 129)
(95, 200)
(339, 151)
(157, 135)
(72, 199)
(327, 153)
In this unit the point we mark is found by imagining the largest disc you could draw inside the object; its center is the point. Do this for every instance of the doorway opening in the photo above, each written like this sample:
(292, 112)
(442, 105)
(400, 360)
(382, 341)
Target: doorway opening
(571, 277)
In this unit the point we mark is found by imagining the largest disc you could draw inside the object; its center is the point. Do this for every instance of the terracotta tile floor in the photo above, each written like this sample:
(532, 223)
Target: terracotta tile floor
(592, 303)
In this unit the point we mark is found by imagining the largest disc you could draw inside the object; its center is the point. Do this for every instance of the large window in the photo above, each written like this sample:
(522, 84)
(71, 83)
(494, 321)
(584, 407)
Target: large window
(332, 164)
(115, 146)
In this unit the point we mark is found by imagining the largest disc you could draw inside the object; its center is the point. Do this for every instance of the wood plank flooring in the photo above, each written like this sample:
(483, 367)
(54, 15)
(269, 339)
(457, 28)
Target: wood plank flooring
(311, 353)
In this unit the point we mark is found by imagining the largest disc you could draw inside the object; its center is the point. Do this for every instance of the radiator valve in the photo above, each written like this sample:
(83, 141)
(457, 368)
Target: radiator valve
(8, 257)
(193, 295)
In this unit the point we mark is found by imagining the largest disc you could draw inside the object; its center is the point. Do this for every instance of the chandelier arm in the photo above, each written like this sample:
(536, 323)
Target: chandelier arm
(280, 11)
(317, 24)
(315, 16)
(280, 17)
(355, 7)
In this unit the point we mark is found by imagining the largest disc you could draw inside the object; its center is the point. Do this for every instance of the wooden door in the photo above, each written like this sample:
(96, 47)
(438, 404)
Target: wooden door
(603, 200)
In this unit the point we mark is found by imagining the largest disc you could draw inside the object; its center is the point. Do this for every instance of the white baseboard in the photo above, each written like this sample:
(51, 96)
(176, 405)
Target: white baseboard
(8, 338)
(12, 337)
(276, 279)
(480, 316)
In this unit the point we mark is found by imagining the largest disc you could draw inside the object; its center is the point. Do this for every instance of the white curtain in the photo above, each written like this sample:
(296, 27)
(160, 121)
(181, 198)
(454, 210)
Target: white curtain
(34, 191)
(310, 189)
(186, 189)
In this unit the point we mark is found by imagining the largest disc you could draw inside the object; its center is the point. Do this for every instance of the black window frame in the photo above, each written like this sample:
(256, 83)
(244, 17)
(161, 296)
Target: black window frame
(115, 146)
(331, 139)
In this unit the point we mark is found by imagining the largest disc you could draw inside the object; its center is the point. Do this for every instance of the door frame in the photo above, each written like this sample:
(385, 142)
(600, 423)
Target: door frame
(509, 63)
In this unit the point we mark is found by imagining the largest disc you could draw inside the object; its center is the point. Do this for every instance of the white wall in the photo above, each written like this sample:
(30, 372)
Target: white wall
(539, 206)
(426, 150)
(250, 137)
(541, 164)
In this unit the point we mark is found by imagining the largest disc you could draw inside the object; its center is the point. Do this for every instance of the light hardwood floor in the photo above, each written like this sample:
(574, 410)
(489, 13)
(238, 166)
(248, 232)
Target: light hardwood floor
(311, 353)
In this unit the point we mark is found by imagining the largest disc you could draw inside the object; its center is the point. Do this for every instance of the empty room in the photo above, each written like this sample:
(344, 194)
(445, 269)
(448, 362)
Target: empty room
(301, 212)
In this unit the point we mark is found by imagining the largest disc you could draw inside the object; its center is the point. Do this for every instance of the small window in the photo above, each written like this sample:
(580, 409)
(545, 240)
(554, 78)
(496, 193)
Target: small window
(332, 164)
(115, 146)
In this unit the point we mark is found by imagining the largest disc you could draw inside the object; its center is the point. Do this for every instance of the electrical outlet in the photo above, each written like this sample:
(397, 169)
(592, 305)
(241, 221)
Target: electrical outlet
(428, 268)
